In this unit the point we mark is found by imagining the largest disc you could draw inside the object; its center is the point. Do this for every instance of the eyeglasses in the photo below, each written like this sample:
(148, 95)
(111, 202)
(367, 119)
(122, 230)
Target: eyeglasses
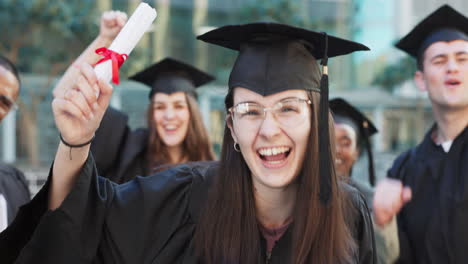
(288, 112)
(7, 102)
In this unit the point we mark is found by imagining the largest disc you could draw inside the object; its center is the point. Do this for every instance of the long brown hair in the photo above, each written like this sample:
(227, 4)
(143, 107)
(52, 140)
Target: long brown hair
(196, 145)
(228, 228)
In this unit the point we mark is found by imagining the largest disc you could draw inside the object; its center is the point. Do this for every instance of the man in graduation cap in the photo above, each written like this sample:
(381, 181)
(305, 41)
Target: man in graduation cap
(352, 137)
(427, 187)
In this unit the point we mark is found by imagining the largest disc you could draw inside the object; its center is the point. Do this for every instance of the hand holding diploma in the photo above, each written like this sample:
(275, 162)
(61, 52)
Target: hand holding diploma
(79, 110)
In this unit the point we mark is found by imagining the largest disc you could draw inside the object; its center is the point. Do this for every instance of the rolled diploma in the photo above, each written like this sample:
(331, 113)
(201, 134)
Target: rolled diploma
(128, 37)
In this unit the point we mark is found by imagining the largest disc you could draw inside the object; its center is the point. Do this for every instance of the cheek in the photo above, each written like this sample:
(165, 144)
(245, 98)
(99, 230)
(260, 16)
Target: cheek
(157, 117)
(184, 116)
(301, 138)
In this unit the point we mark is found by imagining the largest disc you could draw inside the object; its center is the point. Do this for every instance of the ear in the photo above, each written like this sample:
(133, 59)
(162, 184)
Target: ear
(231, 128)
(420, 82)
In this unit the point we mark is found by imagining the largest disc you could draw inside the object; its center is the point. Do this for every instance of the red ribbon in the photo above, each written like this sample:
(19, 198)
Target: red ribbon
(116, 58)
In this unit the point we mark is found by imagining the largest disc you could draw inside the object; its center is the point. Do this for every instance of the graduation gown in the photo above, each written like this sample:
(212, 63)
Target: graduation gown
(386, 239)
(147, 220)
(433, 225)
(119, 152)
(14, 188)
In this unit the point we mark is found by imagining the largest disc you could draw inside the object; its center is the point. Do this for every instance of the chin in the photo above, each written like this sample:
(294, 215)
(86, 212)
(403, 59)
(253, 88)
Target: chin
(172, 142)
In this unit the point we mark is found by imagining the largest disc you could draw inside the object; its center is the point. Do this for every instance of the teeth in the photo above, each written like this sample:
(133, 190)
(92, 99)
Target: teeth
(170, 127)
(273, 151)
(275, 161)
(338, 161)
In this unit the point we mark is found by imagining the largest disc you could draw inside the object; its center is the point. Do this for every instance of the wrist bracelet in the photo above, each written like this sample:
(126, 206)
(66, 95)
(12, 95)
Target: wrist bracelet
(75, 146)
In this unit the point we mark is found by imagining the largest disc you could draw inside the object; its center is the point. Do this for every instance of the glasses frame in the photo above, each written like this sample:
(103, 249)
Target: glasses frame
(232, 111)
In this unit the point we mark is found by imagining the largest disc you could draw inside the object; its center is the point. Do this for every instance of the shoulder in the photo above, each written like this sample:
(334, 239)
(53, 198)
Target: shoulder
(9, 173)
(353, 195)
(365, 190)
(204, 174)
(356, 208)
(360, 223)
(191, 180)
(400, 162)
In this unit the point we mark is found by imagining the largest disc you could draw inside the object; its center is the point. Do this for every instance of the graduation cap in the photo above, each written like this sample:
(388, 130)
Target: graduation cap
(345, 113)
(444, 24)
(274, 58)
(170, 76)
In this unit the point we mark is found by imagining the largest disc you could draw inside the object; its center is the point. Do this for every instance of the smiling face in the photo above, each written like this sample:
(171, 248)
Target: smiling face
(273, 152)
(171, 116)
(9, 88)
(346, 149)
(445, 74)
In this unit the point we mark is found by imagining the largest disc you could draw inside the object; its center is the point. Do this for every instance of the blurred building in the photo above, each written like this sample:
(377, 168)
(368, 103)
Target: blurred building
(402, 118)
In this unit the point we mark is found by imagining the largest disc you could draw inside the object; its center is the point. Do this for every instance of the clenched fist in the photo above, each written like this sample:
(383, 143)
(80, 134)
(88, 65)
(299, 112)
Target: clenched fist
(390, 196)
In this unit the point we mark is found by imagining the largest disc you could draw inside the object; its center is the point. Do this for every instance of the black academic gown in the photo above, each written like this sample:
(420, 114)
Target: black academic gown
(14, 188)
(119, 152)
(433, 225)
(147, 220)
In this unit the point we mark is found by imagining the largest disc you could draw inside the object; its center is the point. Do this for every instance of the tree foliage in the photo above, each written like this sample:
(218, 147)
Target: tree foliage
(280, 11)
(41, 33)
(395, 74)
(43, 37)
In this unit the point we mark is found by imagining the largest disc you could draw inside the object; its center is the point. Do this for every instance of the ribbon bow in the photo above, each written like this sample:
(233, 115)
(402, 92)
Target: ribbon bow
(116, 58)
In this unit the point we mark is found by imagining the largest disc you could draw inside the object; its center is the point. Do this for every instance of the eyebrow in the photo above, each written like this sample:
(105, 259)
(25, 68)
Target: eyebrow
(277, 101)
(164, 102)
(461, 53)
(444, 55)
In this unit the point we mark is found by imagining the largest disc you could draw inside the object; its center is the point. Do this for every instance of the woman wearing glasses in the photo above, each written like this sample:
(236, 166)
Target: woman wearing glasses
(14, 190)
(266, 201)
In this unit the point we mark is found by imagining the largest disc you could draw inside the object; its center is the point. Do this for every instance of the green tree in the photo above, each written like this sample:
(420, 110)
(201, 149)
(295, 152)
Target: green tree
(395, 74)
(281, 11)
(43, 37)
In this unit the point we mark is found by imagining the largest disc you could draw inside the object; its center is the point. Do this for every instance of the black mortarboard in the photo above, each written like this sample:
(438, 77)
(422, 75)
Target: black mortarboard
(444, 24)
(274, 58)
(170, 76)
(343, 112)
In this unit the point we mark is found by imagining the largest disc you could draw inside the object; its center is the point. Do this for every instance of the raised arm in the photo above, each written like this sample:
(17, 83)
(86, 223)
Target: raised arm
(77, 114)
(74, 114)
(110, 25)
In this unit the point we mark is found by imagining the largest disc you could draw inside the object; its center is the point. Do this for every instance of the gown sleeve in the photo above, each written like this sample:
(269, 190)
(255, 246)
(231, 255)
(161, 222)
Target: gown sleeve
(109, 140)
(397, 171)
(367, 252)
(102, 222)
(361, 226)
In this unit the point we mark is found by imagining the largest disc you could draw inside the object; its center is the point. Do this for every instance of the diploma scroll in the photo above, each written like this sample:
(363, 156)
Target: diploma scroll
(128, 37)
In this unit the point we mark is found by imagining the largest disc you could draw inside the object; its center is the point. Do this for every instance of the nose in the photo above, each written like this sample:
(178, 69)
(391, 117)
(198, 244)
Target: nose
(169, 113)
(269, 127)
(452, 65)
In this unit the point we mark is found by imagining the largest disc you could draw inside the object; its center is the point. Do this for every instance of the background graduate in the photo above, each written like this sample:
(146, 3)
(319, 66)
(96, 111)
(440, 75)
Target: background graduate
(14, 190)
(352, 133)
(175, 131)
(427, 186)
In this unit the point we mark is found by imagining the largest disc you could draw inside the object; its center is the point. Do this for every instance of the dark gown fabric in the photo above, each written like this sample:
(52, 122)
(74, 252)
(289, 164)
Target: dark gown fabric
(14, 188)
(433, 225)
(147, 220)
(119, 152)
